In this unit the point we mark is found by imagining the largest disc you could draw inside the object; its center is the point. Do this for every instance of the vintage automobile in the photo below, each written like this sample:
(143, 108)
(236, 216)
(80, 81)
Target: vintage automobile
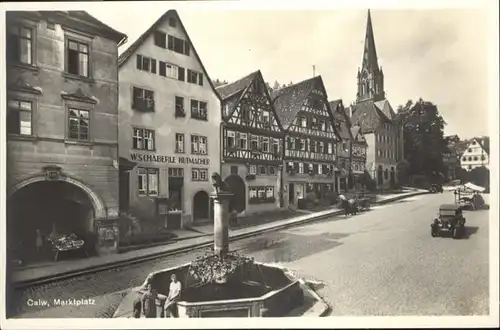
(450, 219)
(435, 188)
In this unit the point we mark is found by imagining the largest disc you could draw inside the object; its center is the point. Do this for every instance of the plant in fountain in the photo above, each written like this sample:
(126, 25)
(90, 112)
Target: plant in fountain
(216, 268)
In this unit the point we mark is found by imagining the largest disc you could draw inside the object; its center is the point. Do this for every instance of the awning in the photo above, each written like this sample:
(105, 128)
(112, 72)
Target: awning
(126, 164)
(469, 187)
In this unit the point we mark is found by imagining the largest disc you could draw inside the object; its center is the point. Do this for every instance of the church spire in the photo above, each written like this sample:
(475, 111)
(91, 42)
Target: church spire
(370, 53)
(370, 77)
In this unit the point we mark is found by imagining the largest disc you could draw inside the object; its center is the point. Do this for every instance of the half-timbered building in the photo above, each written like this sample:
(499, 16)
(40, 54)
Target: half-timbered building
(343, 179)
(310, 141)
(252, 139)
(358, 156)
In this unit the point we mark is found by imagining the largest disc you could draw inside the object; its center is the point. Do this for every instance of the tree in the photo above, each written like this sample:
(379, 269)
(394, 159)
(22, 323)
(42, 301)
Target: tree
(424, 142)
(480, 176)
(402, 169)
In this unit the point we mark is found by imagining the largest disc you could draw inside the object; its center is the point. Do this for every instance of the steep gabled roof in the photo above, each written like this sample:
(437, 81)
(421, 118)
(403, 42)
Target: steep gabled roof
(133, 48)
(232, 93)
(484, 142)
(289, 100)
(228, 90)
(385, 108)
(339, 115)
(369, 113)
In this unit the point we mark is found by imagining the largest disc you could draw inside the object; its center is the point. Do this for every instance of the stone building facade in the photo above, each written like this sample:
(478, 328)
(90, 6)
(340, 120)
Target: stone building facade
(62, 125)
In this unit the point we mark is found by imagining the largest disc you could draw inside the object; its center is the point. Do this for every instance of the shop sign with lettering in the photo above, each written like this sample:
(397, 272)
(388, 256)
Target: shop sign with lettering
(169, 159)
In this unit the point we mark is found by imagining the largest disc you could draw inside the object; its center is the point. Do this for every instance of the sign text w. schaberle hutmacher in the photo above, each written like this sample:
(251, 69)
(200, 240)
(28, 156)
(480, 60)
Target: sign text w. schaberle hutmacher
(169, 159)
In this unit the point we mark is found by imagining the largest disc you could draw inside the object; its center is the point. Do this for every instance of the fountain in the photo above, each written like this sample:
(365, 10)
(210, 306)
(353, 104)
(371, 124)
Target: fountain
(227, 284)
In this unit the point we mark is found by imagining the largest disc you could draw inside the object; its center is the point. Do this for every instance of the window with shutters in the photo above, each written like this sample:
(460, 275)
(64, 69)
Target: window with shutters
(291, 141)
(160, 39)
(143, 99)
(179, 142)
(19, 116)
(148, 181)
(146, 64)
(143, 139)
(194, 77)
(178, 45)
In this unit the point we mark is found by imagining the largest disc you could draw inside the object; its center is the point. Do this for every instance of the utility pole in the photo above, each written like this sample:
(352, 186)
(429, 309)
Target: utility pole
(314, 70)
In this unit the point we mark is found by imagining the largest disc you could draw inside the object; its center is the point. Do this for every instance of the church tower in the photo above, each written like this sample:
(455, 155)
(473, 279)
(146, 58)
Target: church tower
(370, 77)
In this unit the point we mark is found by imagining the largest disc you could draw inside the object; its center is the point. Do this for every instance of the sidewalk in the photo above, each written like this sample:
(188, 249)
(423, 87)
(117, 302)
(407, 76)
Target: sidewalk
(70, 268)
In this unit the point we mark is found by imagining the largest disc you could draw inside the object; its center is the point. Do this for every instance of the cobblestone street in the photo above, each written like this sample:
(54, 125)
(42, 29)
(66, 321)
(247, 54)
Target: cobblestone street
(385, 255)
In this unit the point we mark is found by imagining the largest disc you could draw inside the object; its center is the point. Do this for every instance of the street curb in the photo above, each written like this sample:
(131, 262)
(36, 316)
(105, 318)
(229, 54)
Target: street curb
(103, 267)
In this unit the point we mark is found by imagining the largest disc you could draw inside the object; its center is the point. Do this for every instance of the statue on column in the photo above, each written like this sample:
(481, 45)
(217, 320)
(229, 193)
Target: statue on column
(219, 184)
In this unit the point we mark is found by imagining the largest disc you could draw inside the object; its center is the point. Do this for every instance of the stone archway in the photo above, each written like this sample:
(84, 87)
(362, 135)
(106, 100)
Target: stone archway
(97, 203)
(238, 188)
(380, 173)
(41, 207)
(201, 205)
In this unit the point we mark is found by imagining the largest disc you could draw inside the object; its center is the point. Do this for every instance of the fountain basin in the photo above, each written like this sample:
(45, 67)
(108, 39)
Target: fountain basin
(265, 291)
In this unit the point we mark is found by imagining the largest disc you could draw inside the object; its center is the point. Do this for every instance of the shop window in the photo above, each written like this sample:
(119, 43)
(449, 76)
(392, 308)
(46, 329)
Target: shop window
(143, 139)
(261, 195)
(148, 181)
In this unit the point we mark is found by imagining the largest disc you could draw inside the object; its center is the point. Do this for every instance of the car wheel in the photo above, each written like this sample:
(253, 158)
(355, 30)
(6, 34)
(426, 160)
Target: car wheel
(434, 232)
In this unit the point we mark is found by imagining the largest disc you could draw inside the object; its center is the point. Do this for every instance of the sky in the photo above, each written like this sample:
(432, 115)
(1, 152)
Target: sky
(440, 55)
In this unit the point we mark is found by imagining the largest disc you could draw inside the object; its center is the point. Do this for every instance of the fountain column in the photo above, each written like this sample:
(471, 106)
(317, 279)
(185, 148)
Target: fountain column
(221, 221)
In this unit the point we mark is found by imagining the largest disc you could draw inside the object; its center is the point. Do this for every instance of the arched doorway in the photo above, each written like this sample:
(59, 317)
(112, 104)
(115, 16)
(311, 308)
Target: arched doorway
(52, 208)
(380, 179)
(200, 206)
(237, 187)
(393, 175)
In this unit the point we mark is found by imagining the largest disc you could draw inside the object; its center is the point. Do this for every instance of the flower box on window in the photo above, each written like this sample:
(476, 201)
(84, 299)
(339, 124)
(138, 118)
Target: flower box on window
(250, 177)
